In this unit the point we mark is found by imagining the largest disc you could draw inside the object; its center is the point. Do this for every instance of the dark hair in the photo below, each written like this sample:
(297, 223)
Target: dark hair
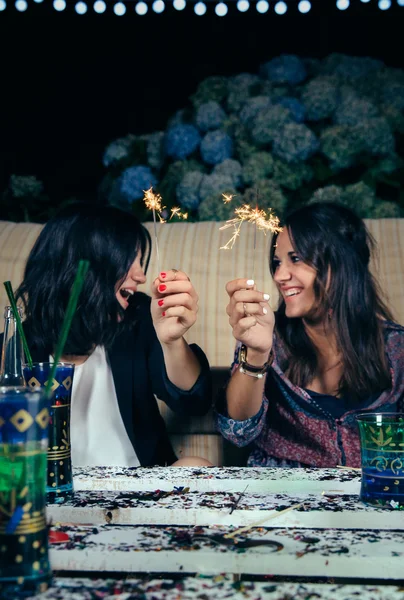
(110, 239)
(335, 242)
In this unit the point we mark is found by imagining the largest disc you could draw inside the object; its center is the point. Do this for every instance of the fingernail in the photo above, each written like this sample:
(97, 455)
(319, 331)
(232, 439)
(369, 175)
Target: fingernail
(250, 281)
(266, 296)
(264, 310)
(164, 313)
(160, 302)
(162, 287)
(163, 275)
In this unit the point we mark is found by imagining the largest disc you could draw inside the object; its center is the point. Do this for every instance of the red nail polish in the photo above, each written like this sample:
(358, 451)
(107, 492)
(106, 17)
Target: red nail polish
(160, 302)
(162, 287)
(164, 313)
(163, 275)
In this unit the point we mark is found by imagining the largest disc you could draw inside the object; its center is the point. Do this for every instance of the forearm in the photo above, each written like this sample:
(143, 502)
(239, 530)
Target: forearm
(244, 393)
(182, 365)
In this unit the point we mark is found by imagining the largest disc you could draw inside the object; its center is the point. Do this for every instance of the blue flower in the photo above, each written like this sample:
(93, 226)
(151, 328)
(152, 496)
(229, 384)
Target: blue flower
(117, 150)
(232, 168)
(286, 68)
(134, 181)
(181, 141)
(351, 67)
(210, 116)
(296, 108)
(295, 143)
(320, 97)
(252, 107)
(352, 110)
(241, 87)
(215, 185)
(187, 191)
(216, 146)
(267, 122)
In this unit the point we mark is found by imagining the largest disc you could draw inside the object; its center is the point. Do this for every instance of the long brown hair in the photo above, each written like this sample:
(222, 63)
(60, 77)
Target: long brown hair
(336, 243)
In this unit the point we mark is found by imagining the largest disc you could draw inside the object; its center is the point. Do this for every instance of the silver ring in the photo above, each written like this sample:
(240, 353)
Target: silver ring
(245, 309)
(175, 273)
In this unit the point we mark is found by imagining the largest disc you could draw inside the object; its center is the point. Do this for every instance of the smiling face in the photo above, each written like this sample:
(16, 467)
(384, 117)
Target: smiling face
(294, 279)
(128, 287)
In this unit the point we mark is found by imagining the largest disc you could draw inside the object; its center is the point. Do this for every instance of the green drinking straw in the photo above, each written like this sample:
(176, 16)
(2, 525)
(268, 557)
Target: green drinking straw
(10, 294)
(67, 321)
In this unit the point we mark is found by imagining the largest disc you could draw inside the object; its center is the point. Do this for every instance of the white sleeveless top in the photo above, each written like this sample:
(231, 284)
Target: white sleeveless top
(97, 433)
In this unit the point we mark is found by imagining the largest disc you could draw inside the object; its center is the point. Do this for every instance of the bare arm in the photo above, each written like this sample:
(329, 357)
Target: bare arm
(252, 321)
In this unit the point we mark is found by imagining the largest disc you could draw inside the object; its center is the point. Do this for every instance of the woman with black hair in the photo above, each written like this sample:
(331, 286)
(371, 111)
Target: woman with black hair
(127, 347)
(300, 376)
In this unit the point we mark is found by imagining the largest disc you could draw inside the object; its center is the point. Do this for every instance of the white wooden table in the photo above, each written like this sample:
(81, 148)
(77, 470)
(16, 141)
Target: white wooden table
(175, 521)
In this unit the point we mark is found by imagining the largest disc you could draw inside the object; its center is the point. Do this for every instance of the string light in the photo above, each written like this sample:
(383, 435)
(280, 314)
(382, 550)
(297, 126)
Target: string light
(200, 9)
(342, 4)
(280, 8)
(59, 5)
(304, 6)
(21, 5)
(221, 9)
(81, 8)
(100, 6)
(3, 5)
(384, 4)
(158, 6)
(179, 4)
(243, 5)
(262, 6)
(141, 8)
(119, 9)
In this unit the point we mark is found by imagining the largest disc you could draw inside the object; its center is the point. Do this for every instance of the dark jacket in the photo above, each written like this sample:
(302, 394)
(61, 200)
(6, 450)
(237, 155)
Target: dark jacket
(138, 371)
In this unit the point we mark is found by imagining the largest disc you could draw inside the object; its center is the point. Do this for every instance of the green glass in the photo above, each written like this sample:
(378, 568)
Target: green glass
(24, 563)
(382, 454)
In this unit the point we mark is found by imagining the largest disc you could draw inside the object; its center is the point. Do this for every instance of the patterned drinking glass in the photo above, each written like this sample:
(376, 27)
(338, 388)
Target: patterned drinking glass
(382, 452)
(24, 563)
(60, 479)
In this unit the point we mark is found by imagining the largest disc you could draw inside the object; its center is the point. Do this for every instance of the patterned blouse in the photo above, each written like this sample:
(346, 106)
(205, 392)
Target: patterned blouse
(292, 429)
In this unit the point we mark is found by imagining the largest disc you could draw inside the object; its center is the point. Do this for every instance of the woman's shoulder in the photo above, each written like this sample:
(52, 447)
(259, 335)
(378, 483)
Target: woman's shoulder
(391, 327)
(394, 339)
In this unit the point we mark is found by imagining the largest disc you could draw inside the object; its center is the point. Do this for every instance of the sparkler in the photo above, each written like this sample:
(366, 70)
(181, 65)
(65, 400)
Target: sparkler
(263, 221)
(154, 202)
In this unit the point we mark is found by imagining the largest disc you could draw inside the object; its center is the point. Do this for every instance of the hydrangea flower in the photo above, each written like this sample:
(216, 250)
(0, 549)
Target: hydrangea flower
(212, 208)
(259, 165)
(296, 108)
(292, 176)
(295, 142)
(181, 140)
(188, 190)
(270, 195)
(134, 181)
(394, 117)
(216, 146)
(286, 68)
(358, 196)
(328, 193)
(212, 88)
(374, 136)
(385, 210)
(210, 116)
(393, 94)
(352, 110)
(216, 185)
(231, 168)
(267, 122)
(339, 146)
(155, 150)
(22, 186)
(240, 88)
(117, 150)
(320, 97)
(351, 68)
(252, 107)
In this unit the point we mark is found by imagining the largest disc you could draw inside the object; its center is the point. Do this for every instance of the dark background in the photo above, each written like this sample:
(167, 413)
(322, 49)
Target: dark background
(71, 83)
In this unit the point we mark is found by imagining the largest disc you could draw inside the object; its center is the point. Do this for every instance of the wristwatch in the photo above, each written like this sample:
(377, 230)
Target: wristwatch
(248, 369)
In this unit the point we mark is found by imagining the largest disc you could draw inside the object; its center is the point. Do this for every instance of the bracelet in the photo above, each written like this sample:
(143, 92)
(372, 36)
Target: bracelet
(248, 369)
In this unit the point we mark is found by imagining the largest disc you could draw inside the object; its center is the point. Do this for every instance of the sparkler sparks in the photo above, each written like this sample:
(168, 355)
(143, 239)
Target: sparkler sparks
(263, 221)
(176, 212)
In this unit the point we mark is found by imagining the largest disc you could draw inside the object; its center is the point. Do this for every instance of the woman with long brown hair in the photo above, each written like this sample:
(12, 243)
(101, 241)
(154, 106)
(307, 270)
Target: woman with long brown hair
(331, 350)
